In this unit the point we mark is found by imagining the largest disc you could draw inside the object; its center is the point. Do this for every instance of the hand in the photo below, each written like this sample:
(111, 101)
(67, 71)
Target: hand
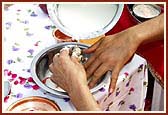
(110, 53)
(68, 73)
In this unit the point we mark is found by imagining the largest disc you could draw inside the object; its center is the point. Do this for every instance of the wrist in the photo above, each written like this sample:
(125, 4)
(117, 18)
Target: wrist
(83, 100)
(135, 37)
(78, 88)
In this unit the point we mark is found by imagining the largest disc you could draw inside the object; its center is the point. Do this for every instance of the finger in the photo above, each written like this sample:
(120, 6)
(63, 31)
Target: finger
(93, 47)
(53, 78)
(92, 67)
(74, 59)
(114, 79)
(89, 61)
(55, 58)
(51, 67)
(97, 75)
(64, 53)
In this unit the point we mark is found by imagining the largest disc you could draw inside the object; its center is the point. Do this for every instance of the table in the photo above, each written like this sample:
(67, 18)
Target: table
(26, 31)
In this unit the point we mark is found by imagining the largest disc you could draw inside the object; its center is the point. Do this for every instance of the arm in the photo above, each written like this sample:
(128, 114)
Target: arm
(83, 99)
(113, 51)
(149, 31)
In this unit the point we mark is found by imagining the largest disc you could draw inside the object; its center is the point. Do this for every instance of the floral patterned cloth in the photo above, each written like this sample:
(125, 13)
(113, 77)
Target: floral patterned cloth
(26, 31)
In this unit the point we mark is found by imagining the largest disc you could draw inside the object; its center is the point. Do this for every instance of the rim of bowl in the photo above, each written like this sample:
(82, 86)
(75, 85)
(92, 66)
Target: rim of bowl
(35, 98)
(52, 91)
(153, 5)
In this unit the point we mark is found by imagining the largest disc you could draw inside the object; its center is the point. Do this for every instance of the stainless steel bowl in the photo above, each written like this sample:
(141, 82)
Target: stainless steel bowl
(41, 62)
(142, 18)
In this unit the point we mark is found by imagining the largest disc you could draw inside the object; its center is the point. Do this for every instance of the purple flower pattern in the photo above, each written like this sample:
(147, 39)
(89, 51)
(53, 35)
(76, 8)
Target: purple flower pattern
(31, 51)
(102, 89)
(133, 107)
(33, 14)
(8, 25)
(19, 95)
(66, 99)
(10, 61)
(14, 48)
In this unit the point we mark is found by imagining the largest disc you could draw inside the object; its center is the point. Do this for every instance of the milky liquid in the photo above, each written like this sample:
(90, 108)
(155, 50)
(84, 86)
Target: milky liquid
(86, 18)
(146, 11)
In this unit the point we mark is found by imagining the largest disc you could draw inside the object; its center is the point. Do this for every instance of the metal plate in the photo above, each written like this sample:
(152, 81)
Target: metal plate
(41, 62)
(34, 103)
(84, 21)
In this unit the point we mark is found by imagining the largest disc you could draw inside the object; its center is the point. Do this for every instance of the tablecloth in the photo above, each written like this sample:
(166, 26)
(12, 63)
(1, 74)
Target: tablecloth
(26, 31)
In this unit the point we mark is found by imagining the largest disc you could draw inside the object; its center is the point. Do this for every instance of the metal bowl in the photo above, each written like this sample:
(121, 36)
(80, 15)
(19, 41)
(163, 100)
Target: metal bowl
(84, 21)
(40, 67)
(33, 103)
(140, 18)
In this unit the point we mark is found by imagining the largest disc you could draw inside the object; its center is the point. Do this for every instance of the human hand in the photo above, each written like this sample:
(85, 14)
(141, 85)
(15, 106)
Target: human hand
(68, 73)
(110, 53)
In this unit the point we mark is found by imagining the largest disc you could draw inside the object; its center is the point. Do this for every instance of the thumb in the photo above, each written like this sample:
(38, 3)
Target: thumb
(93, 47)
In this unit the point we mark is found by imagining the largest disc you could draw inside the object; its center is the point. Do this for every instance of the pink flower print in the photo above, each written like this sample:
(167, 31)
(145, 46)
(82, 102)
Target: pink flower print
(30, 79)
(126, 74)
(37, 43)
(14, 48)
(35, 87)
(5, 72)
(14, 76)
(16, 82)
(22, 80)
(9, 73)
(6, 99)
(131, 90)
